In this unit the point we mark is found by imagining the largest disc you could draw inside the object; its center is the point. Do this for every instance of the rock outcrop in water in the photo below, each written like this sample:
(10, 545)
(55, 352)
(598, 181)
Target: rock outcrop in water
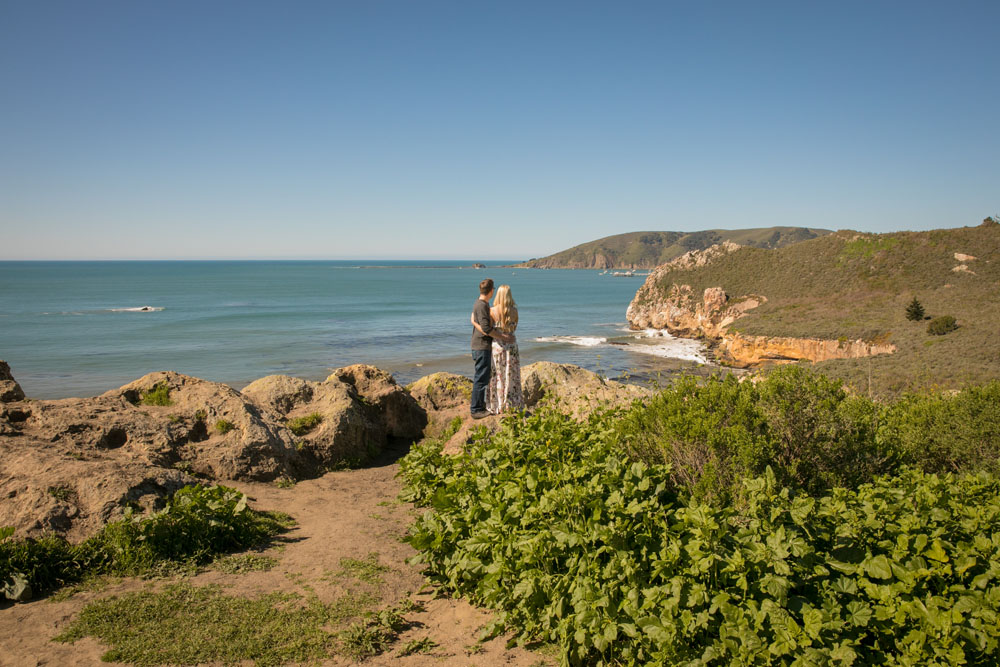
(710, 314)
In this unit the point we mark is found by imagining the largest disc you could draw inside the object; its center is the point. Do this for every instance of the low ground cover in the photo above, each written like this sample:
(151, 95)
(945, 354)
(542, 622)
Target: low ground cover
(578, 537)
(197, 524)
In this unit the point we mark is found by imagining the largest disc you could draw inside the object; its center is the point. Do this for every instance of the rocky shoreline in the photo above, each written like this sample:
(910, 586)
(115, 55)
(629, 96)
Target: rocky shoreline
(69, 466)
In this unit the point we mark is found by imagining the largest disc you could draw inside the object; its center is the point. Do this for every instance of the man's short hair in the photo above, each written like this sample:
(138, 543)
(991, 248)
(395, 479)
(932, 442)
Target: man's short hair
(486, 286)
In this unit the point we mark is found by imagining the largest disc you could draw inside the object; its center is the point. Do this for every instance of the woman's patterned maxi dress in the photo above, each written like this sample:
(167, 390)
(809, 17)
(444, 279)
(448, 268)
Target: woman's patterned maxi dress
(504, 392)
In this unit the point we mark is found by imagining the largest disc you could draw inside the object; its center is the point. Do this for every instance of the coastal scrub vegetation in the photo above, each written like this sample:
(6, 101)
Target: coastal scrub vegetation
(939, 326)
(787, 522)
(197, 523)
(858, 286)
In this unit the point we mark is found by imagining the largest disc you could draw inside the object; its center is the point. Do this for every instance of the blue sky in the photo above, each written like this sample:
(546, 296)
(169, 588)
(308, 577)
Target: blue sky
(425, 129)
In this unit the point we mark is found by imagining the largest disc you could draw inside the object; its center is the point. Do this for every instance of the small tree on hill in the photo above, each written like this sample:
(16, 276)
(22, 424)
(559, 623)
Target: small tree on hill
(914, 311)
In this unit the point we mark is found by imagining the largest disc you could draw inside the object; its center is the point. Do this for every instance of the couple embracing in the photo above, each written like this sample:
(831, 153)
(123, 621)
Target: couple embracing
(496, 385)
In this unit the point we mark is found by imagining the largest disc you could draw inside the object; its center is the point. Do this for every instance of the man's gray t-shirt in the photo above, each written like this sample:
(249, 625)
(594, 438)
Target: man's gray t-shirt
(481, 313)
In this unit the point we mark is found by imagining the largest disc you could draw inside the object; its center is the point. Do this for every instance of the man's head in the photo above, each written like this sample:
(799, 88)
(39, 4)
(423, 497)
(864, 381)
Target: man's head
(486, 288)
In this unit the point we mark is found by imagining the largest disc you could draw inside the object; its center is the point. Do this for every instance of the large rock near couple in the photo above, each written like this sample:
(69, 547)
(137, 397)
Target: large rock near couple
(70, 465)
(570, 389)
(349, 416)
(574, 390)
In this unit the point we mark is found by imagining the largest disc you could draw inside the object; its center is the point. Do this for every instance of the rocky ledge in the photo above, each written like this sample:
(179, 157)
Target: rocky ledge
(71, 465)
(709, 315)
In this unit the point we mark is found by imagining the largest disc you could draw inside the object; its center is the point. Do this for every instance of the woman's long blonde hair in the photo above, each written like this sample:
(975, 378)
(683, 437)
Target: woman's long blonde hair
(506, 309)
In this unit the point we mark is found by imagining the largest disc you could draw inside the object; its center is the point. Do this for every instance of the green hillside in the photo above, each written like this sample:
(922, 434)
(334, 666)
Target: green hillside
(645, 250)
(851, 285)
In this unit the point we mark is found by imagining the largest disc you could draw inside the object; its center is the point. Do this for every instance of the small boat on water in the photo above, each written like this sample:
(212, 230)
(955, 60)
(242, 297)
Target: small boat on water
(623, 274)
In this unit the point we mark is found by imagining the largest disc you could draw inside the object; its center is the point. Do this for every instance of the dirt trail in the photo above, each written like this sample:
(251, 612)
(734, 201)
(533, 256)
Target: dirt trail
(348, 514)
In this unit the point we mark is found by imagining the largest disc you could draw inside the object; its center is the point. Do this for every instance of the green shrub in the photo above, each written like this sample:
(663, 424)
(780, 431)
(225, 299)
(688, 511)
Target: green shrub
(951, 432)
(197, 523)
(158, 395)
(224, 426)
(551, 524)
(914, 311)
(302, 425)
(939, 326)
(716, 433)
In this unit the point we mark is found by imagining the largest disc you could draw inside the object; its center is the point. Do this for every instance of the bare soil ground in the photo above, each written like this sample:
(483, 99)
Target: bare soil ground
(348, 514)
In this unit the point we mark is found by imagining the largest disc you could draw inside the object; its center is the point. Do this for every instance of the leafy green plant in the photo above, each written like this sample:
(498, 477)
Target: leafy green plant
(158, 395)
(549, 522)
(939, 326)
(414, 646)
(224, 426)
(453, 426)
(197, 523)
(304, 424)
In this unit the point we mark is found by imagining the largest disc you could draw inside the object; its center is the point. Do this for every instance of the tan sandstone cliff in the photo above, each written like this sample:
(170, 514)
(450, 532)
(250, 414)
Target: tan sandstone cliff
(709, 315)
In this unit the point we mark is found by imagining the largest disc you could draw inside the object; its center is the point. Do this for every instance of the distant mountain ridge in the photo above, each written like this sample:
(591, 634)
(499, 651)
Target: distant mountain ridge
(647, 250)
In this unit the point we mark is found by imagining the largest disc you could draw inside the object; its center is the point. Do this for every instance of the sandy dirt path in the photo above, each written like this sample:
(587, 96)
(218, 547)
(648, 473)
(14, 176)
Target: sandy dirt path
(348, 514)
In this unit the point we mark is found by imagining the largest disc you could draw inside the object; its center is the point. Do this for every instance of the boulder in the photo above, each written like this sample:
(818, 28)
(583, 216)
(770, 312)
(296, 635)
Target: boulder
(403, 416)
(330, 421)
(441, 391)
(10, 390)
(574, 390)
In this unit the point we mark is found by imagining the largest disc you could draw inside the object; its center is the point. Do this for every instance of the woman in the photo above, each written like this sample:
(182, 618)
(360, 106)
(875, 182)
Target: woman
(504, 392)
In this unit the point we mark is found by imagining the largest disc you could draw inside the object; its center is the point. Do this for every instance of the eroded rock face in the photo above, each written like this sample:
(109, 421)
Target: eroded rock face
(683, 314)
(403, 416)
(709, 315)
(210, 425)
(46, 489)
(355, 411)
(754, 350)
(10, 390)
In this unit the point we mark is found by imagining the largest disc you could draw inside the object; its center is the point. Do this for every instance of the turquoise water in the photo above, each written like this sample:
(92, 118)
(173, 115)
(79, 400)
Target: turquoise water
(71, 328)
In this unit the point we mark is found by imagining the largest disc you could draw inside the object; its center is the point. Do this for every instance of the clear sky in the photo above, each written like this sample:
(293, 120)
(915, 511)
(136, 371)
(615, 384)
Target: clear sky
(426, 129)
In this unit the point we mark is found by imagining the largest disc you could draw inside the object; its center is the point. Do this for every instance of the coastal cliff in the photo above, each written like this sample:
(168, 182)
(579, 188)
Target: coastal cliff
(682, 312)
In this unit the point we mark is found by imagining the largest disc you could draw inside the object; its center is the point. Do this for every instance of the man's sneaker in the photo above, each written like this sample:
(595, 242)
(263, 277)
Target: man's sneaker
(480, 414)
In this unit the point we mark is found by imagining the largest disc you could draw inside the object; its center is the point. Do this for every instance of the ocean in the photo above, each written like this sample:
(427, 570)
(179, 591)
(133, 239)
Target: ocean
(82, 328)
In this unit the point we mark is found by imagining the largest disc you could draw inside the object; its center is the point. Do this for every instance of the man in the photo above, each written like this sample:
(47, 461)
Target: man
(482, 349)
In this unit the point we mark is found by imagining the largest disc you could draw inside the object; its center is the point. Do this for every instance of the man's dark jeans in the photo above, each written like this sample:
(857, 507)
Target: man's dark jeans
(480, 380)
